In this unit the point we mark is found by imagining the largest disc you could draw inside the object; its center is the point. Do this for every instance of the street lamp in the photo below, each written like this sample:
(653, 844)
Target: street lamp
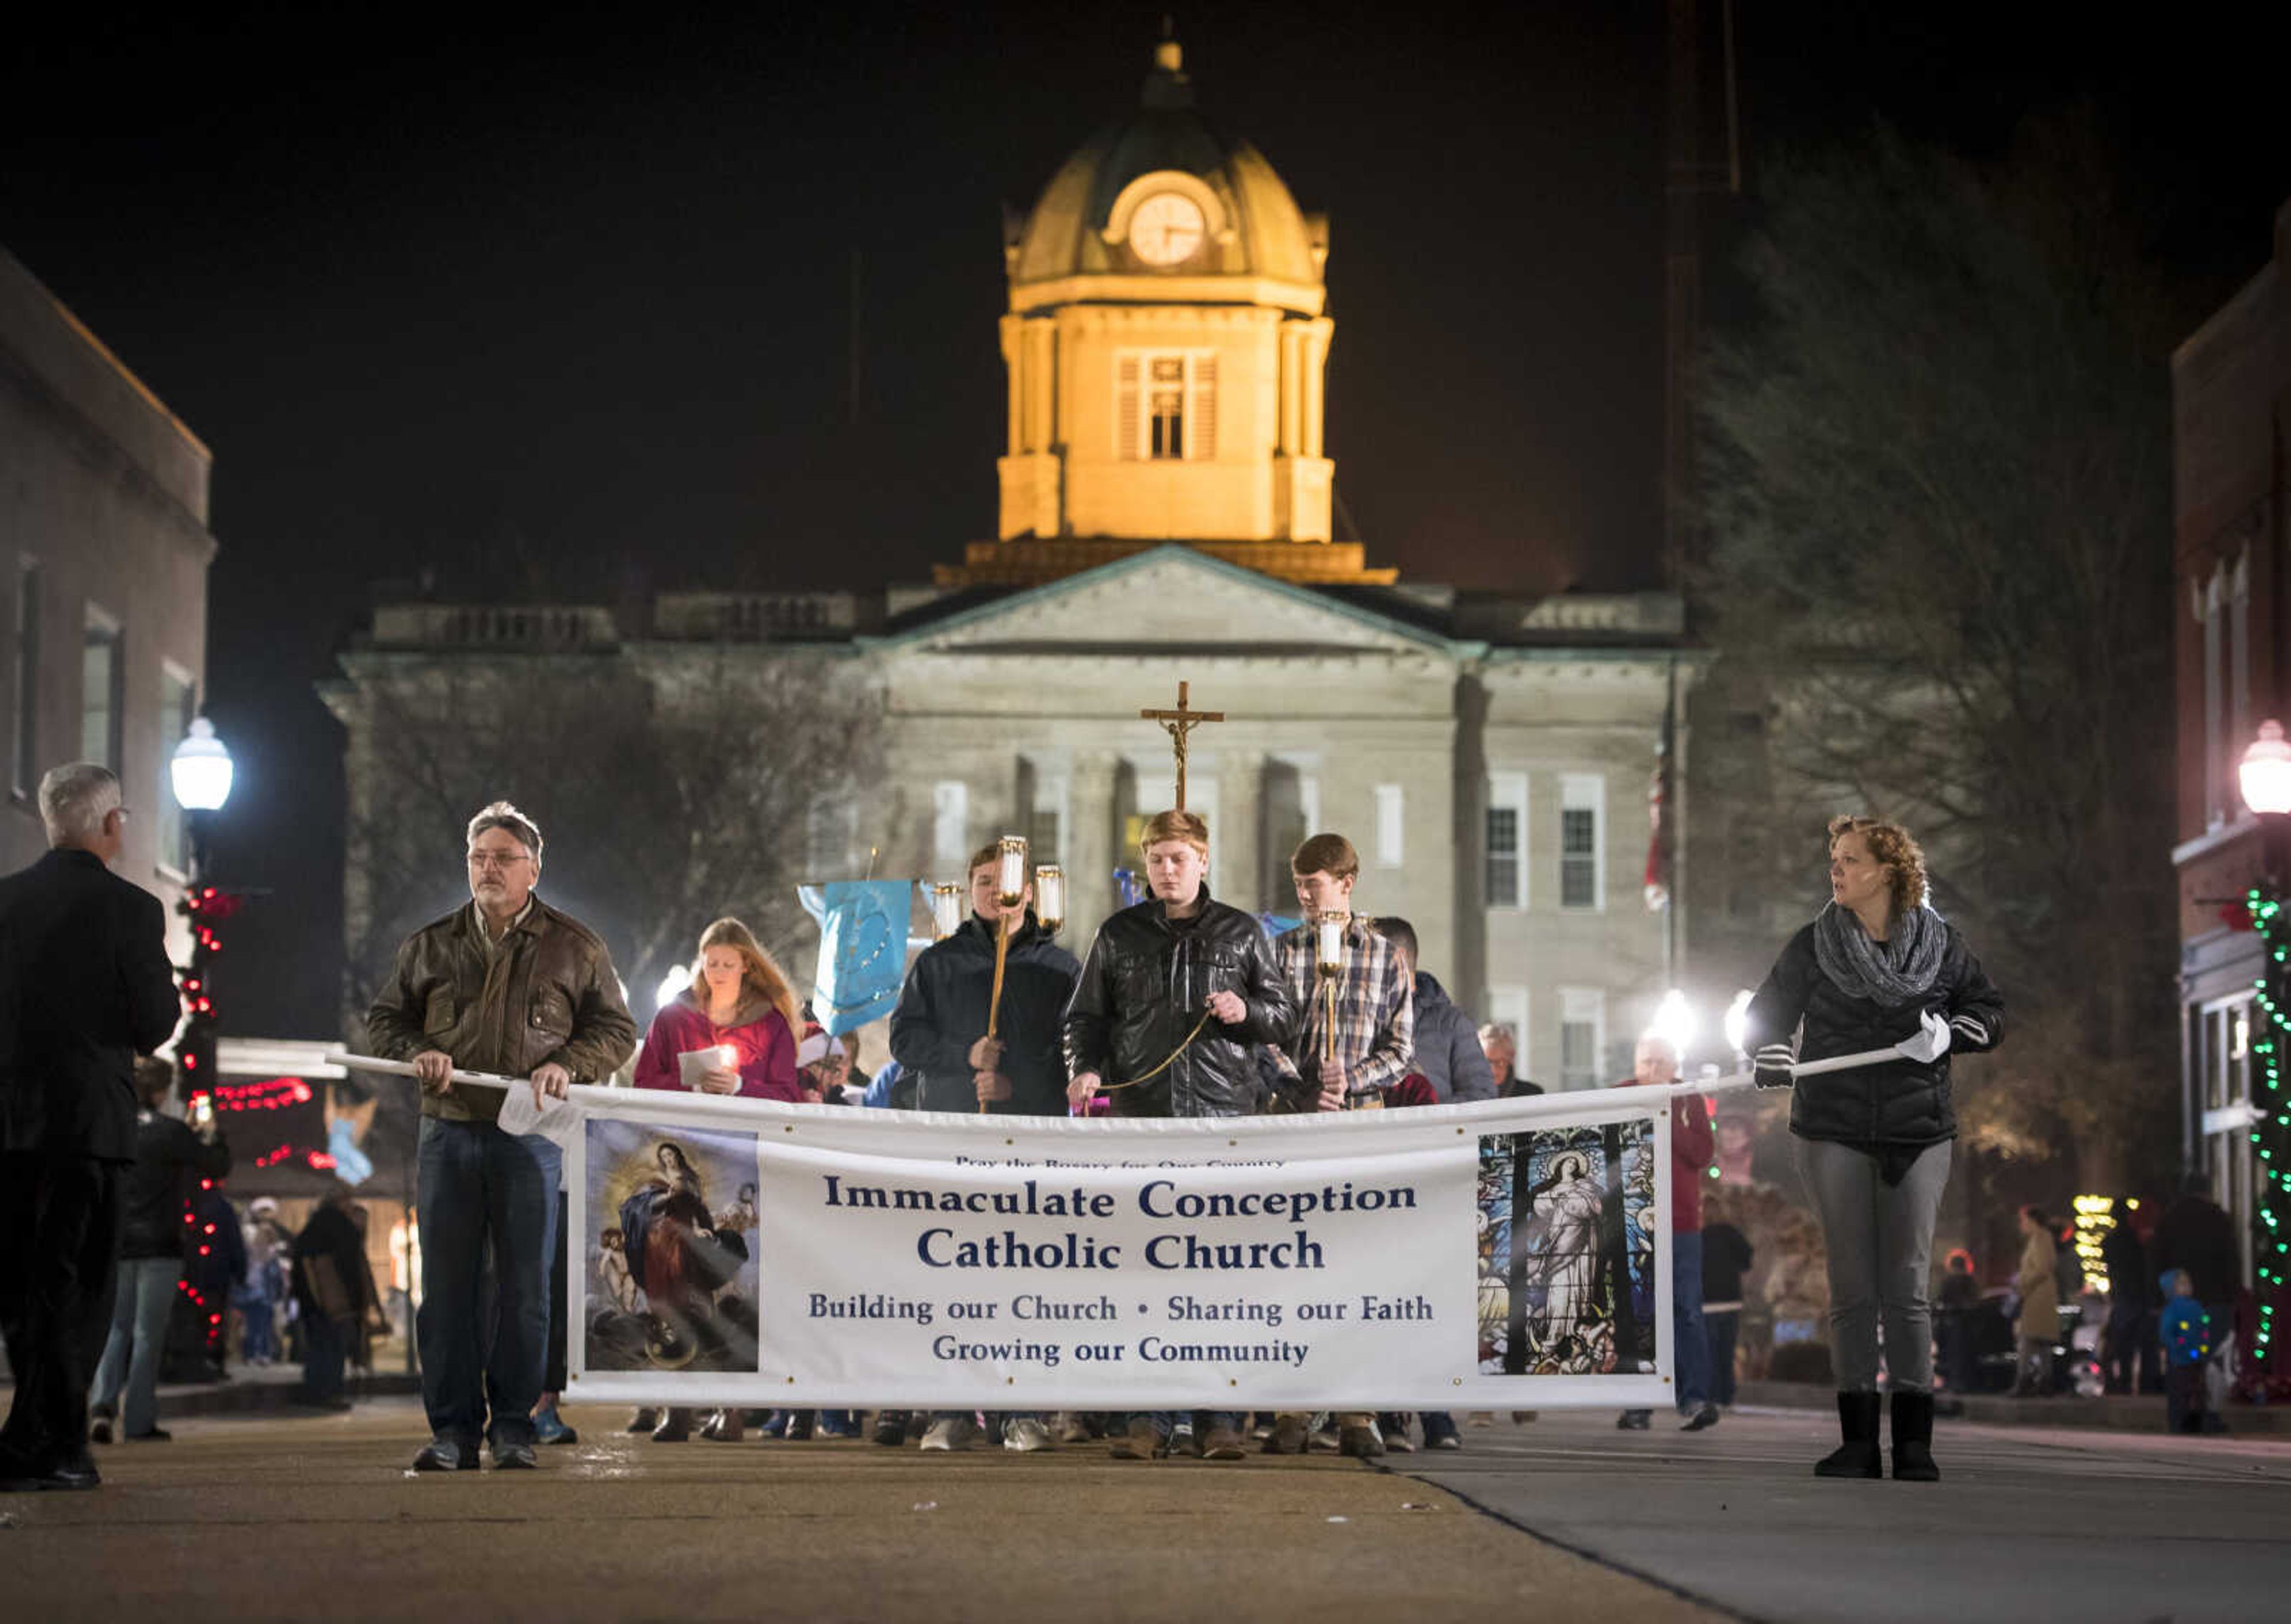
(2265, 772)
(200, 771)
(1674, 1024)
(1738, 1024)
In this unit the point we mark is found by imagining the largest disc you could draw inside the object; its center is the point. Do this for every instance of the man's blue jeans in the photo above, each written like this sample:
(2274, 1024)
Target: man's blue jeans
(1689, 1335)
(140, 1306)
(478, 1190)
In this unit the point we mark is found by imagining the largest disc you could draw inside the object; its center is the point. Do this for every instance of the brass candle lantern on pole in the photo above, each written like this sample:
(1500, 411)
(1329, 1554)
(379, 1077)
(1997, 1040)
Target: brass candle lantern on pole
(1009, 890)
(1329, 938)
(947, 910)
(1050, 897)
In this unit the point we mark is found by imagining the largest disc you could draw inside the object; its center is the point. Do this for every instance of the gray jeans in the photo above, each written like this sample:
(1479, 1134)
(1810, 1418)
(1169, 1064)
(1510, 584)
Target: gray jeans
(1879, 1240)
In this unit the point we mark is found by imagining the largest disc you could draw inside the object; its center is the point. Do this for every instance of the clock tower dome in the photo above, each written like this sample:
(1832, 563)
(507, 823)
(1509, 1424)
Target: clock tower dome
(1166, 341)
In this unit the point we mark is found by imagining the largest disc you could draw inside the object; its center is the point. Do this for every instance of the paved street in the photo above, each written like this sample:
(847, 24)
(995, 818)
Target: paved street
(272, 1518)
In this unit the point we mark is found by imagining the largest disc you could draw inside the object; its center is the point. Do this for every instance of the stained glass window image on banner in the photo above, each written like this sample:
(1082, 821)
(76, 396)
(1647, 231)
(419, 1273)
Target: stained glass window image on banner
(671, 1251)
(1566, 1250)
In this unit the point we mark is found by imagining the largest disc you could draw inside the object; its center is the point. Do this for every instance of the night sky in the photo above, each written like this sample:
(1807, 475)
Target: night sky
(561, 305)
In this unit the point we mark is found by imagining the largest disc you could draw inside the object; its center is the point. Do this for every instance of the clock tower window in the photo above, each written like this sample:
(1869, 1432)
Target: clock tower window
(1168, 407)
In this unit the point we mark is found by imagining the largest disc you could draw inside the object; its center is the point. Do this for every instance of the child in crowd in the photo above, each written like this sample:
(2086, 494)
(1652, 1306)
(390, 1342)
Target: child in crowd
(2186, 1333)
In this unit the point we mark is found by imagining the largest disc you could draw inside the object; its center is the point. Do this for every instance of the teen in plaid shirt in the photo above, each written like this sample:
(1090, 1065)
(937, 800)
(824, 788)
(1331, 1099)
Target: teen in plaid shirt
(1376, 1019)
(1375, 1040)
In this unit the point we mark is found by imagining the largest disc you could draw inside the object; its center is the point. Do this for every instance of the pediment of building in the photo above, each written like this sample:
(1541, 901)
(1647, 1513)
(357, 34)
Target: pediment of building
(1170, 600)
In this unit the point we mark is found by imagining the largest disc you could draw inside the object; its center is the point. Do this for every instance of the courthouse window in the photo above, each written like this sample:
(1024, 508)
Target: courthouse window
(1507, 1006)
(1289, 811)
(2209, 598)
(100, 696)
(178, 704)
(1042, 810)
(951, 826)
(1582, 804)
(1582, 1037)
(1507, 840)
(1390, 839)
(1167, 409)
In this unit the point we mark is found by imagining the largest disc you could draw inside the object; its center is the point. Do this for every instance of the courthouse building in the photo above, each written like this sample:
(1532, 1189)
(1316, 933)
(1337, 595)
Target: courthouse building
(1165, 499)
(104, 550)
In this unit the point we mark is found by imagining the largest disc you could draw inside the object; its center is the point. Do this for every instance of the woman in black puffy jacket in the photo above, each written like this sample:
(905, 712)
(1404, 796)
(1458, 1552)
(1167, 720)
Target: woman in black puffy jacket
(1875, 966)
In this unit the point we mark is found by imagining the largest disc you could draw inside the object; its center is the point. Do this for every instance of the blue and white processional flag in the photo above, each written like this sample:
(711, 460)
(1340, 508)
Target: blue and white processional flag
(862, 949)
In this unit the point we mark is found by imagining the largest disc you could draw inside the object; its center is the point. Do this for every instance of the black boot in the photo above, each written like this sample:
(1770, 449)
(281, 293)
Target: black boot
(1913, 1460)
(1857, 1424)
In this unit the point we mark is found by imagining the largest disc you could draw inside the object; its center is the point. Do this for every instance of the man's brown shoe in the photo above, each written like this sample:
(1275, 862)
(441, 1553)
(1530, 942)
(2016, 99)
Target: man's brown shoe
(1288, 1436)
(1361, 1441)
(1142, 1442)
(1223, 1444)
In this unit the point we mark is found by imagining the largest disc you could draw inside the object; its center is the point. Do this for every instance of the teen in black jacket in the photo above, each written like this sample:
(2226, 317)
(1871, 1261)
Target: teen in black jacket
(1152, 973)
(941, 1019)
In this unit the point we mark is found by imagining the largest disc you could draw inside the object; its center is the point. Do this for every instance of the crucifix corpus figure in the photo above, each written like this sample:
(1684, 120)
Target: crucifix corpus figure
(1177, 724)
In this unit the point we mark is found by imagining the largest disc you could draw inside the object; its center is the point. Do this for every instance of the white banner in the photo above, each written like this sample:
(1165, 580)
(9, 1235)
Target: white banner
(1511, 1255)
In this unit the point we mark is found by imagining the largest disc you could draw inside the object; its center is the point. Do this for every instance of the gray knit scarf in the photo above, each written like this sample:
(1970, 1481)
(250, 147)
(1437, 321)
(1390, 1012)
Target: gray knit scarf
(1889, 973)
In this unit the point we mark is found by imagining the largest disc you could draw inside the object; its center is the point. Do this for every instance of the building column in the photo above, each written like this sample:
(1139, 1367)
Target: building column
(1469, 839)
(1090, 845)
(1240, 800)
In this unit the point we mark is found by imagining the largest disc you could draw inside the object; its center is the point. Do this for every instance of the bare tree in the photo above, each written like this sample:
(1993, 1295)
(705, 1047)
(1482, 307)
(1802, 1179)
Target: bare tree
(673, 782)
(1938, 474)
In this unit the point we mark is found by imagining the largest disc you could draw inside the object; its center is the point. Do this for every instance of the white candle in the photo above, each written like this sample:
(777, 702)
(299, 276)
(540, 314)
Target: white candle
(1333, 941)
(947, 910)
(1050, 895)
(728, 1055)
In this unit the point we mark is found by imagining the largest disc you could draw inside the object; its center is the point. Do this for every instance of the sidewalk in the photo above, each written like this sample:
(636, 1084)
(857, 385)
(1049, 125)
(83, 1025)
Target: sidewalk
(2116, 1413)
(256, 1390)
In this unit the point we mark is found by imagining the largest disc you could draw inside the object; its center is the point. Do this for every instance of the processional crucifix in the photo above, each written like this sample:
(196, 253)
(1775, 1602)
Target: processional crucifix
(1177, 724)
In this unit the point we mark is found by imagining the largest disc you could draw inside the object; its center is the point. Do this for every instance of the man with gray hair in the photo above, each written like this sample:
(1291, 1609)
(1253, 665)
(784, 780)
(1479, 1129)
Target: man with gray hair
(84, 987)
(510, 985)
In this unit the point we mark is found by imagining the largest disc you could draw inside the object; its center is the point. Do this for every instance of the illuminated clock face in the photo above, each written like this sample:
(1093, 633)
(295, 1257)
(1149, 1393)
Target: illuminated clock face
(1167, 228)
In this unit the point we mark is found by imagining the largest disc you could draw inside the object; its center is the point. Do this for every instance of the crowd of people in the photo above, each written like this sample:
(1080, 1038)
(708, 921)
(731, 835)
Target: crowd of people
(1182, 1005)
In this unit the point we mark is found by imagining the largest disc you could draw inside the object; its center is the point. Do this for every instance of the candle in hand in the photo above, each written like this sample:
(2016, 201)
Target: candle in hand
(1331, 943)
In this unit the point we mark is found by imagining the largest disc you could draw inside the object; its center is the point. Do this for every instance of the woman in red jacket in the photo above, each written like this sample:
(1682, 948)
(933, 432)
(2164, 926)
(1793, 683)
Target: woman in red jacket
(739, 1000)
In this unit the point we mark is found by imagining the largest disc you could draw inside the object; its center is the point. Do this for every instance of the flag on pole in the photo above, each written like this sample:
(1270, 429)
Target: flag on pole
(1658, 861)
(862, 949)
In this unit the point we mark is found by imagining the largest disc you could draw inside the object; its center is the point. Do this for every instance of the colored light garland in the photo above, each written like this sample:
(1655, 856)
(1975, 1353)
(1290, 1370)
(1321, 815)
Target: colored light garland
(2268, 1136)
(205, 907)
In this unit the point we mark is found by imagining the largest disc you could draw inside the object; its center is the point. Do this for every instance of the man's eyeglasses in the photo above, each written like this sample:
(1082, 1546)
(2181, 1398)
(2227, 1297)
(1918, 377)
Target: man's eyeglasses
(495, 859)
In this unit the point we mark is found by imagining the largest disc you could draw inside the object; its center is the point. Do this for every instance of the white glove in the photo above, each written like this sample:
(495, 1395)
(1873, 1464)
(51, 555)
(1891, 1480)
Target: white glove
(1931, 1042)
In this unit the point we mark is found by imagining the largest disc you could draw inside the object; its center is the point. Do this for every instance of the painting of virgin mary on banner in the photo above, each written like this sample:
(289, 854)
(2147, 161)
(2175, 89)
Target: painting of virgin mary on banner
(1566, 1250)
(672, 1256)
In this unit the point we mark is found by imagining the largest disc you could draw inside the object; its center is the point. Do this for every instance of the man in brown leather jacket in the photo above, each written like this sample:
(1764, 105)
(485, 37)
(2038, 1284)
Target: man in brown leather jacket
(510, 985)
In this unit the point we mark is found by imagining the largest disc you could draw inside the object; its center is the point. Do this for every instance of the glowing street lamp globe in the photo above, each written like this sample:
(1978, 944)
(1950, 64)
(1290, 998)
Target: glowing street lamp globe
(2265, 772)
(1738, 1019)
(677, 979)
(200, 769)
(1673, 1023)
